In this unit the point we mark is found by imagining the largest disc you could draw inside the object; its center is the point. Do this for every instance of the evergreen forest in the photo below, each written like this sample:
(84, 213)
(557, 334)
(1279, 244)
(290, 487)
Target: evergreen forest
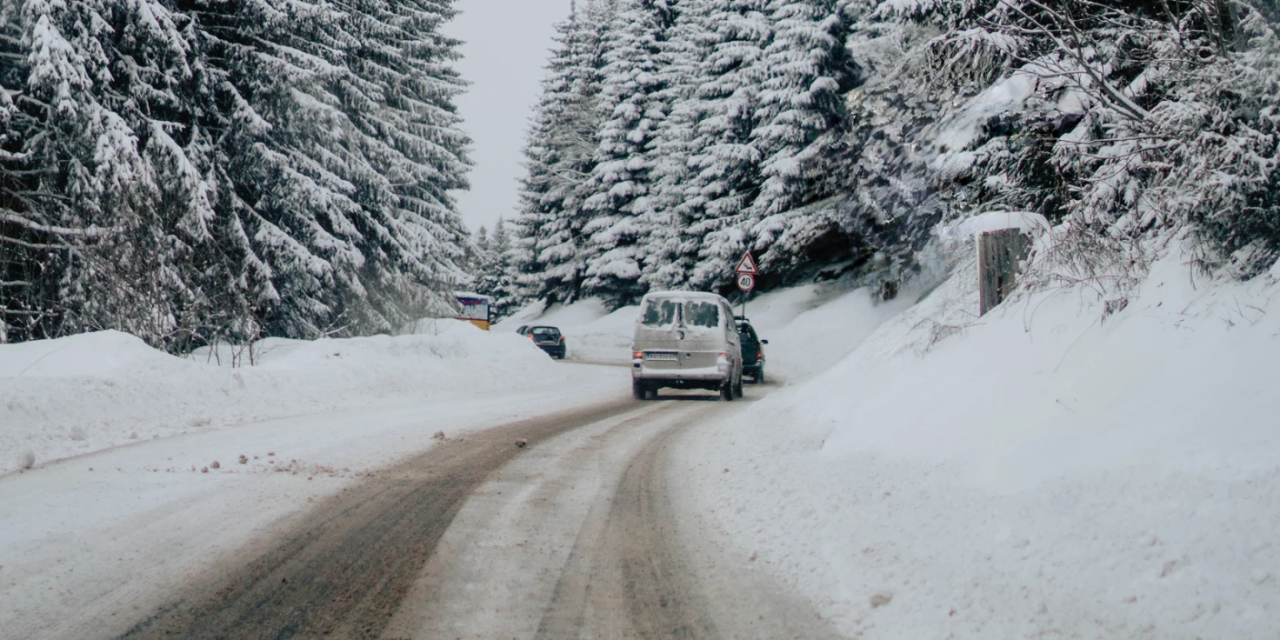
(833, 138)
(194, 171)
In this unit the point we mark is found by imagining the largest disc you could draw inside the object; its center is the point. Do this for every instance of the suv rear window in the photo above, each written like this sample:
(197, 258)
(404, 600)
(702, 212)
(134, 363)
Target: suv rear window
(545, 331)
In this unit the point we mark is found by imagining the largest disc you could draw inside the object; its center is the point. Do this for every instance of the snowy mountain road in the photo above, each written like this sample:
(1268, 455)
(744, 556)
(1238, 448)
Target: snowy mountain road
(571, 536)
(342, 570)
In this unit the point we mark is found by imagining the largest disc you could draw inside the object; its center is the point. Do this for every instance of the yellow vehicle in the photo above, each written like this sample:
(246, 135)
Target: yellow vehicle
(475, 308)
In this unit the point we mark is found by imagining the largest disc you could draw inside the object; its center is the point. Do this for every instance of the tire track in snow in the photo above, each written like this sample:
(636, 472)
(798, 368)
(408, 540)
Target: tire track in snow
(342, 570)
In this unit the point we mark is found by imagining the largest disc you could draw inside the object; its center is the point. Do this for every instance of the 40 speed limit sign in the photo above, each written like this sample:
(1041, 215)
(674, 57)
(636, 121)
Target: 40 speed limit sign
(746, 282)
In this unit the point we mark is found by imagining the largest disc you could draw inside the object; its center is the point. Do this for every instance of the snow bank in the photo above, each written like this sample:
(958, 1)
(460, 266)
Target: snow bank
(88, 354)
(84, 393)
(1044, 471)
(812, 327)
(606, 339)
(558, 315)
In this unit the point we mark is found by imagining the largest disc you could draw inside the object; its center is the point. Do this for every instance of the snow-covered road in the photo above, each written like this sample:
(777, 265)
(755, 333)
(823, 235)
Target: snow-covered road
(583, 538)
(575, 535)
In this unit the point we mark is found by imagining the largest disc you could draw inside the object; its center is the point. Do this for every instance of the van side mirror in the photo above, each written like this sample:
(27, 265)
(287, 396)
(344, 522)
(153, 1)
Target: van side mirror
(764, 342)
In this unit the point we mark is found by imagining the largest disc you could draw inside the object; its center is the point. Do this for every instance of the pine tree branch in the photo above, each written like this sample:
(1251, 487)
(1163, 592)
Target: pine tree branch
(66, 232)
(1075, 51)
(35, 245)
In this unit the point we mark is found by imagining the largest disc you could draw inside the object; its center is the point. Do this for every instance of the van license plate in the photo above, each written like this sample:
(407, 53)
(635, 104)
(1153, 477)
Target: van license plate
(660, 356)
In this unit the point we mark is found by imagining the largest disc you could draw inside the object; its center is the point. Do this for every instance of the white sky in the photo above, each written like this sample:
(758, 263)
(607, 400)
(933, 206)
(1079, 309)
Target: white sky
(506, 43)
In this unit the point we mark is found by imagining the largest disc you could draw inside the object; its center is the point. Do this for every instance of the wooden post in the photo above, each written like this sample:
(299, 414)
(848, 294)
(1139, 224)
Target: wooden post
(1000, 254)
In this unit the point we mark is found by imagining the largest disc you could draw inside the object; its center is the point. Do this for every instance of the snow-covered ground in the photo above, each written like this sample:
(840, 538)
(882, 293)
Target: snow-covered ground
(1044, 471)
(149, 468)
(1039, 472)
(77, 395)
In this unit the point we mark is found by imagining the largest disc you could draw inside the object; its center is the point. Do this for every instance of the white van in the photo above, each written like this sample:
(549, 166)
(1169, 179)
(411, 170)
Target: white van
(686, 340)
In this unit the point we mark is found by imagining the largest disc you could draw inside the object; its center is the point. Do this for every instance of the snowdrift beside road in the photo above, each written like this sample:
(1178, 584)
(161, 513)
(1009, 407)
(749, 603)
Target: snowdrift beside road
(84, 393)
(1044, 471)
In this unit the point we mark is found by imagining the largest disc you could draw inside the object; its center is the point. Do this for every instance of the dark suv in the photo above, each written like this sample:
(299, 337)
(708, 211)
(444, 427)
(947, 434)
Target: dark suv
(547, 338)
(752, 351)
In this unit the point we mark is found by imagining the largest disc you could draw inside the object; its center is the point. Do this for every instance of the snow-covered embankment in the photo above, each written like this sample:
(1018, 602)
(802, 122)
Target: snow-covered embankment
(85, 393)
(1043, 471)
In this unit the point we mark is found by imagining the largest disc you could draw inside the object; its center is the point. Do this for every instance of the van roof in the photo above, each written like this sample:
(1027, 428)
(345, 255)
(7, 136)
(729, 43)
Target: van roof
(683, 295)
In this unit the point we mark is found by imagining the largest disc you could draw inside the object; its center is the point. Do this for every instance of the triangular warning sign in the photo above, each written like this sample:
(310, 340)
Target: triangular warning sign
(747, 265)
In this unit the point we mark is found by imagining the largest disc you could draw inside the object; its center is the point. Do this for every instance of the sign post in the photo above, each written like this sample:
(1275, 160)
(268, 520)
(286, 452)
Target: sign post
(747, 273)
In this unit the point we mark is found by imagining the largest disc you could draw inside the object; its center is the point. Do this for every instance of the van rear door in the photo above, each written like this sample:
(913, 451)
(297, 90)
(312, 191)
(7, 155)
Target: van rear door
(678, 334)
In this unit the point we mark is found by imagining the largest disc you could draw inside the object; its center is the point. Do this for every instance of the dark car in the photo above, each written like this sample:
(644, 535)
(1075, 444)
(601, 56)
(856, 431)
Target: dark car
(752, 351)
(547, 338)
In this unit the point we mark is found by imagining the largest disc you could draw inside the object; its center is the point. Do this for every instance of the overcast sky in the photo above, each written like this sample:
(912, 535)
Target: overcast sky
(505, 49)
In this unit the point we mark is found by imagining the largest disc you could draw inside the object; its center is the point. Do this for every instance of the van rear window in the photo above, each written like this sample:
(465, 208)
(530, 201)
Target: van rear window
(702, 314)
(660, 313)
(687, 313)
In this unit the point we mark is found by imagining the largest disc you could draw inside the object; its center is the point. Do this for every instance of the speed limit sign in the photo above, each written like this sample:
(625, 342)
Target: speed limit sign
(746, 282)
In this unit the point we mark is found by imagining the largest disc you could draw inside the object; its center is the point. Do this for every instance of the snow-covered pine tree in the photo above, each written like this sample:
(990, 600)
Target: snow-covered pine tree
(669, 256)
(1127, 120)
(723, 169)
(159, 277)
(416, 154)
(506, 292)
(108, 192)
(886, 203)
(281, 147)
(559, 158)
(800, 117)
(631, 111)
(200, 170)
(340, 146)
(495, 276)
(481, 242)
(478, 260)
(25, 288)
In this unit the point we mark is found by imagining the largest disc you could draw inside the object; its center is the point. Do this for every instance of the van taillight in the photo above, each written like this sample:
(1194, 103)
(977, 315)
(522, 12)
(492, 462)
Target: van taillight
(638, 355)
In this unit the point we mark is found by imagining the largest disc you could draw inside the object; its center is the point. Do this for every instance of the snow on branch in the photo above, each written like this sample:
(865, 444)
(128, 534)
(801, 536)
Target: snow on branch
(94, 232)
